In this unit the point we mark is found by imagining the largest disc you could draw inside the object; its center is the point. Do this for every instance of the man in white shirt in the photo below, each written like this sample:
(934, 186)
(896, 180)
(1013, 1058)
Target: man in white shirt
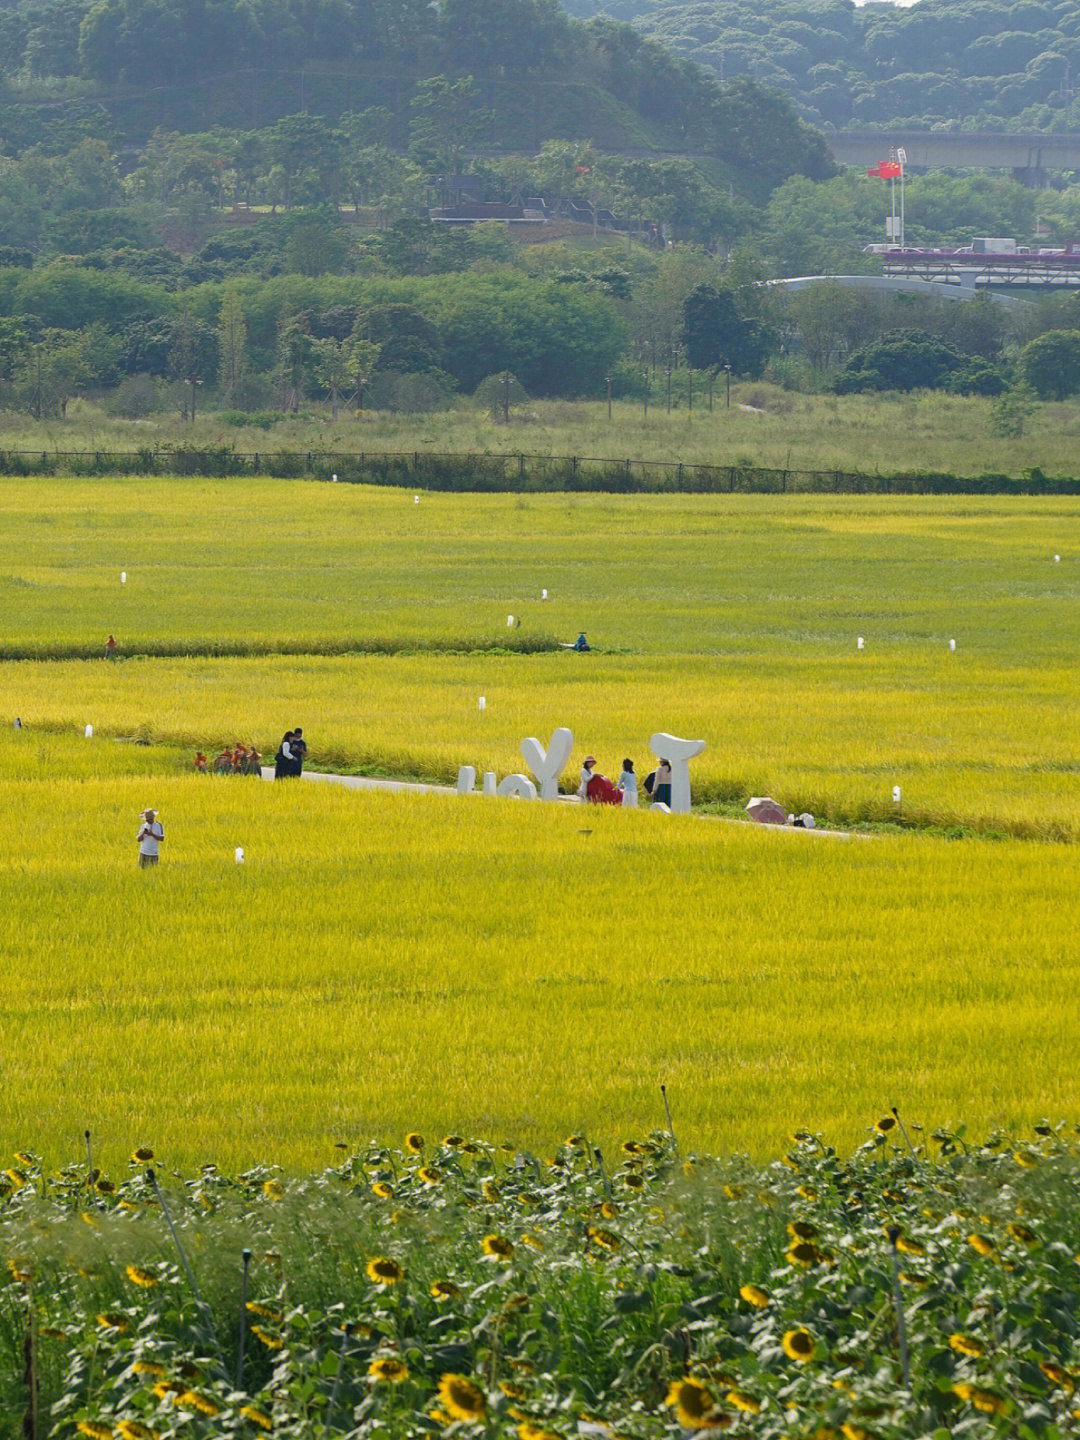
(150, 837)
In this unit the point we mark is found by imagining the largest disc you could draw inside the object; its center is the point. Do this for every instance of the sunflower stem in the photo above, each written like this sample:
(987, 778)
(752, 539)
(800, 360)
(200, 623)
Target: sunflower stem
(204, 1309)
(603, 1172)
(670, 1126)
(30, 1371)
(89, 1161)
(346, 1331)
(901, 1326)
(242, 1338)
(903, 1131)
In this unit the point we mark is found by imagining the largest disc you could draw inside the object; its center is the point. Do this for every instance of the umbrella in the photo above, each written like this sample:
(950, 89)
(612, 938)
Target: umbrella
(766, 811)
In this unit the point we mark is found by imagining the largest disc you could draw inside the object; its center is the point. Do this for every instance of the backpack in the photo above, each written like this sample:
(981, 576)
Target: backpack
(649, 782)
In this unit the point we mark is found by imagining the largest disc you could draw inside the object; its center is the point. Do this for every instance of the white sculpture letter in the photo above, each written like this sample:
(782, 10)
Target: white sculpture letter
(489, 782)
(548, 765)
(678, 753)
(518, 786)
(466, 779)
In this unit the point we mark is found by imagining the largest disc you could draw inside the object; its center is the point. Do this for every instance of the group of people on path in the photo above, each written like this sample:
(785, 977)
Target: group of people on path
(597, 789)
(240, 759)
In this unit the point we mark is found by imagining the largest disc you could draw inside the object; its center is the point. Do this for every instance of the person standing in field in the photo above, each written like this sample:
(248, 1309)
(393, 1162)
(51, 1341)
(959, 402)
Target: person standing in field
(150, 836)
(298, 746)
(586, 776)
(284, 758)
(661, 794)
(628, 783)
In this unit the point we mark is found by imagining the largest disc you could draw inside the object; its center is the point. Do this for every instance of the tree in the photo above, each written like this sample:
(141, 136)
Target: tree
(294, 359)
(446, 120)
(363, 356)
(192, 355)
(49, 372)
(332, 365)
(232, 342)
(717, 335)
(900, 360)
(1050, 364)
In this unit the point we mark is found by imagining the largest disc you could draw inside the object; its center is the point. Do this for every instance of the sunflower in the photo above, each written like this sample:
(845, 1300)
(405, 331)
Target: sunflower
(987, 1401)
(429, 1175)
(528, 1431)
(633, 1182)
(257, 1417)
(255, 1308)
(95, 1428)
(18, 1180)
(461, 1399)
(21, 1270)
(806, 1191)
(146, 1278)
(273, 1189)
(193, 1400)
(609, 1209)
(498, 1246)
(1057, 1375)
(453, 1142)
(605, 1238)
(1025, 1159)
(444, 1290)
(742, 1401)
(141, 1155)
(907, 1246)
(112, 1320)
(754, 1295)
(490, 1192)
(799, 1345)
(801, 1230)
(1021, 1233)
(916, 1278)
(389, 1369)
(164, 1388)
(965, 1345)
(885, 1124)
(383, 1271)
(631, 1147)
(135, 1430)
(149, 1367)
(414, 1142)
(851, 1431)
(980, 1243)
(531, 1240)
(692, 1402)
(103, 1187)
(575, 1140)
(803, 1254)
(268, 1338)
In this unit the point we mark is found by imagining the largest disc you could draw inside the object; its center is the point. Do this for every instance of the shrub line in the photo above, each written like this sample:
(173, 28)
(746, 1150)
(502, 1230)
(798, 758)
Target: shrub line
(519, 473)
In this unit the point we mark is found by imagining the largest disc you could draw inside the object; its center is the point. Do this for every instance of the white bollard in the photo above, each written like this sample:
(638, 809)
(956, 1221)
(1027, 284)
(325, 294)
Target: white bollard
(334, 477)
(466, 779)
(547, 765)
(543, 594)
(416, 499)
(238, 854)
(509, 622)
(123, 577)
(952, 644)
(489, 785)
(482, 703)
(1057, 559)
(678, 753)
(896, 794)
(859, 643)
(89, 732)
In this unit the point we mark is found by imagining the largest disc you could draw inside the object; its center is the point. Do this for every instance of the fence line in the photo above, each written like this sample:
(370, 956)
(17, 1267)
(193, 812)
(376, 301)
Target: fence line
(519, 472)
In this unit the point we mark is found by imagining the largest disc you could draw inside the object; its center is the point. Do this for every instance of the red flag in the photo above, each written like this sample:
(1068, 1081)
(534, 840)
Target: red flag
(885, 170)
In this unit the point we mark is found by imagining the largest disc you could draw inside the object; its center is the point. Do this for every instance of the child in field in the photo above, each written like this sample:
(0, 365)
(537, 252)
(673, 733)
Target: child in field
(628, 783)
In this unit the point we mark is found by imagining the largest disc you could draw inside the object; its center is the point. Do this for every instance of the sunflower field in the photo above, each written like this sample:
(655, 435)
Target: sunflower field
(926, 1286)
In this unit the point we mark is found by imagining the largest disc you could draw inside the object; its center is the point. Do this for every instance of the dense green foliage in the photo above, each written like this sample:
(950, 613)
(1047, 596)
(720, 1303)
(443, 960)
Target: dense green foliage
(1000, 65)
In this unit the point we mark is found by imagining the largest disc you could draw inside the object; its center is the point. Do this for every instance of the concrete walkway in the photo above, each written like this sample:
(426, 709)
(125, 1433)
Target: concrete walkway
(414, 787)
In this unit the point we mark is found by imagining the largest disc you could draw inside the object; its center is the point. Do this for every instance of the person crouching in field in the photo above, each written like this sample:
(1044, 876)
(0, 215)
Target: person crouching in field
(150, 836)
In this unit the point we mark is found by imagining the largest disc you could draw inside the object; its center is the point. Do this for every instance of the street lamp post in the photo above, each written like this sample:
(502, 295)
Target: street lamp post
(690, 402)
(668, 373)
(193, 381)
(607, 382)
(645, 394)
(901, 157)
(727, 398)
(712, 377)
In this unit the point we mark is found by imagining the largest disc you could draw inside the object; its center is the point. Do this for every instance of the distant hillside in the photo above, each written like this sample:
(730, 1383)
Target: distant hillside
(976, 64)
(75, 67)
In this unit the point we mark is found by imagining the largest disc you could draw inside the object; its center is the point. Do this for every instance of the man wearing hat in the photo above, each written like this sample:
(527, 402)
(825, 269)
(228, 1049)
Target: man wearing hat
(149, 837)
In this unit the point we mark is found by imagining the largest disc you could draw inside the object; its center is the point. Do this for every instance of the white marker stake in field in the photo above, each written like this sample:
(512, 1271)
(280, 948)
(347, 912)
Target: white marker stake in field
(123, 577)
(482, 703)
(679, 753)
(859, 643)
(334, 478)
(509, 622)
(897, 794)
(238, 854)
(547, 765)
(543, 594)
(952, 644)
(1057, 559)
(416, 499)
(89, 732)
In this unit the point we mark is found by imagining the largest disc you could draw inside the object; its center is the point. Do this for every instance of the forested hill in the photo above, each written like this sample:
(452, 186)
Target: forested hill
(511, 74)
(976, 64)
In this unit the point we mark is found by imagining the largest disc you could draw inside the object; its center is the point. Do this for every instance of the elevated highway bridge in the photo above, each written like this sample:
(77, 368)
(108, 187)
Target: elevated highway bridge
(1029, 156)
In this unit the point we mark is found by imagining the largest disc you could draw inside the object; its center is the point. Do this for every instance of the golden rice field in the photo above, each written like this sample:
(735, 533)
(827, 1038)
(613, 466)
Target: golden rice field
(380, 962)
(501, 969)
